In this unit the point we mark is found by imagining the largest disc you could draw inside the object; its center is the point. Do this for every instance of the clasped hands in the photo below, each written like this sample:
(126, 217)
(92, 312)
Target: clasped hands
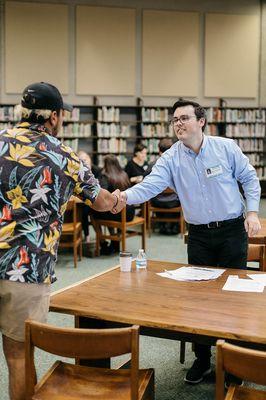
(121, 201)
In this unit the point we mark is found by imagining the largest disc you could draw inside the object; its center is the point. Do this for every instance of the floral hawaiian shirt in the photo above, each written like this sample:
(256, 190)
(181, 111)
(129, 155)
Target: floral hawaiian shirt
(38, 174)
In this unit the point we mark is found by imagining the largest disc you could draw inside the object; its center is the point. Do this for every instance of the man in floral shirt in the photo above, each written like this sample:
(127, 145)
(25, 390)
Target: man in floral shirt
(38, 175)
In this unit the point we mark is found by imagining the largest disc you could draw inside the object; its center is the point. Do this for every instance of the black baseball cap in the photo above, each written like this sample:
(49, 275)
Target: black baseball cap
(43, 96)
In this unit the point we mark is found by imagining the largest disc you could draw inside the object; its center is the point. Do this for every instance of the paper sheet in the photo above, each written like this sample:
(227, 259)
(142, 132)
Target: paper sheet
(236, 284)
(258, 278)
(192, 273)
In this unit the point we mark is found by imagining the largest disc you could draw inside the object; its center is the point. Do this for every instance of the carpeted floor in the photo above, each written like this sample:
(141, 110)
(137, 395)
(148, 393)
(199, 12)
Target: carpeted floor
(161, 354)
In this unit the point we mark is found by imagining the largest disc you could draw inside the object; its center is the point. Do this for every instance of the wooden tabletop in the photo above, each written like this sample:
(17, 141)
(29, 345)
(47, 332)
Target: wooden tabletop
(146, 299)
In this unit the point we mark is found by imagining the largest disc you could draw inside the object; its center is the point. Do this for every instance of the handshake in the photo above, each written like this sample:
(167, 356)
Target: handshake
(120, 203)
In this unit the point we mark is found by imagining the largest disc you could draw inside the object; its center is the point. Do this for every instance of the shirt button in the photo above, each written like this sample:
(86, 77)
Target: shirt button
(203, 185)
(210, 211)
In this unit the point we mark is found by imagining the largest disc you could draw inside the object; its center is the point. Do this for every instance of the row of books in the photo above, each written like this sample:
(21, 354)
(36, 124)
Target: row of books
(159, 130)
(112, 145)
(113, 130)
(250, 144)
(215, 114)
(261, 172)
(79, 130)
(152, 145)
(154, 114)
(256, 159)
(108, 114)
(248, 130)
(72, 116)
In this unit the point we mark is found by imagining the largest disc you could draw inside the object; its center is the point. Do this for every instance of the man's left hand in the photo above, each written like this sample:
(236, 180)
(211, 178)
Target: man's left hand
(252, 223)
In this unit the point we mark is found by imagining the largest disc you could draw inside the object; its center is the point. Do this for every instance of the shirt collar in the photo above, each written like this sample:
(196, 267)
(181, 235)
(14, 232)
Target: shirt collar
(202, 149)
(34, 127)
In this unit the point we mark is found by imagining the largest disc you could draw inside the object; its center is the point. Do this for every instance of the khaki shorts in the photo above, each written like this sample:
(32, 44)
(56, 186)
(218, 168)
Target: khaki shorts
(19, 301)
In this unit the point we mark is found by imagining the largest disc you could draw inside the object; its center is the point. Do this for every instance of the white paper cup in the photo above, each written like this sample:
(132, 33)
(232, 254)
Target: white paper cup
(125, 260)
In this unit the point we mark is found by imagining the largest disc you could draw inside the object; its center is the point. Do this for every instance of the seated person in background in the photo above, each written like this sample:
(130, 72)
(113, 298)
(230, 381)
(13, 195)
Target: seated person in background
(85, 157)
(136, 168)
(113, 177)
(165, 199)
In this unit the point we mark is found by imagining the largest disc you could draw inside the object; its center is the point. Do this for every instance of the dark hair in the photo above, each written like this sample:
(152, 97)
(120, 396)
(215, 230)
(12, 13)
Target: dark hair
(35, 118)
(139, 147)
(199, 111)
(117, 177)
(165, 144)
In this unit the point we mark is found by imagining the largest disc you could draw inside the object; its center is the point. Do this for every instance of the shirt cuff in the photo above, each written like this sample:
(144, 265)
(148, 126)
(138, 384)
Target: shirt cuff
(252, 205)
(129, 195)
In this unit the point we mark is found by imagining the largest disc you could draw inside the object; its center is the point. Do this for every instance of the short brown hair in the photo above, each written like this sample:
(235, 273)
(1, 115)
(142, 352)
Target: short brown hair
(199, 111)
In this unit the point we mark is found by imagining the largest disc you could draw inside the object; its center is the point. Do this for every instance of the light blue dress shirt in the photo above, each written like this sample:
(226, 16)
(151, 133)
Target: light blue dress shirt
(206, 183)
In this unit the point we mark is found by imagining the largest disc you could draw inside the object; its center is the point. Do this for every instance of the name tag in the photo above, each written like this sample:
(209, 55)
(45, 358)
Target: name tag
(213, 171)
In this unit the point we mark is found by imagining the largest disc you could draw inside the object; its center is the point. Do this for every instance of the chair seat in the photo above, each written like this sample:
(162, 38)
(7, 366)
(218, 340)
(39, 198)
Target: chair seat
(69, 381)
(245, 393)
(68, 227)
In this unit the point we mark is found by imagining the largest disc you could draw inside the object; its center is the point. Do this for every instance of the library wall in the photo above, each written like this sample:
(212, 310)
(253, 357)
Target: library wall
(231, 64)
(164, 64)
(105, 51)
(262, 86)
(245, 7)
(36, 44)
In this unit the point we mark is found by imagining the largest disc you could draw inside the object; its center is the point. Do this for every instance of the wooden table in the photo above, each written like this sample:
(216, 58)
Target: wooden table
(167, 308)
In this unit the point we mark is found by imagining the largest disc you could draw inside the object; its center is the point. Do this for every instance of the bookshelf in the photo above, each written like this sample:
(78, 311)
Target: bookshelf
(247, 126)
(154, 125)
(101, 130)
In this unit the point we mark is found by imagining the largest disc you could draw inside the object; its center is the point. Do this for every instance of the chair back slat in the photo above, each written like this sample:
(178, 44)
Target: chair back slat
(247, 364)
(81, 343)
(256, 253)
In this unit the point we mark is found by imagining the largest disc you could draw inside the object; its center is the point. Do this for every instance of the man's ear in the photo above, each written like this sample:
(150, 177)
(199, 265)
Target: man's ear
(53, 118)
(202, 122)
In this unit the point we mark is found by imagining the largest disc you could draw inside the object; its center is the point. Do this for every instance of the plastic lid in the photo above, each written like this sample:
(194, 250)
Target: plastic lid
(125, 254)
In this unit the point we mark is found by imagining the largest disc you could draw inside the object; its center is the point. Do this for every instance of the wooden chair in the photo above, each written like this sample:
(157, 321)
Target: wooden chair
(244, 363)
(256, 252)
(152, 215)
(72, 231)
(69, 381)
(123, 229)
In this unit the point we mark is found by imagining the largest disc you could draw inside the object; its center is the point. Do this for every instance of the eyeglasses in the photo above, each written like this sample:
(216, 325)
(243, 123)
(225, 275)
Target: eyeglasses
(183, 119)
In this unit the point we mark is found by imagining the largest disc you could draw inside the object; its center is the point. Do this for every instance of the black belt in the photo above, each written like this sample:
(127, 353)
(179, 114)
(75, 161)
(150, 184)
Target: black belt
(217, 224)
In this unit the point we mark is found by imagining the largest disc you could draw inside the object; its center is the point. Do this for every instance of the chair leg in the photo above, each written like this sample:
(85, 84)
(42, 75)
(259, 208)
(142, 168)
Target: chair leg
(75, 256)
(97, 249)
(80, 249)
(123, 234)
(144, 236)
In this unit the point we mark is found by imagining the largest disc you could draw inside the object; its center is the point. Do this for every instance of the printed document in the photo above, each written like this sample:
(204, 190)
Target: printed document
(258, 278)
(192, 273)
(235, 284)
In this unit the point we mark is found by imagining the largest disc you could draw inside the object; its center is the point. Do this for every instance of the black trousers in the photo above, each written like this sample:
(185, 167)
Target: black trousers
(225, 247)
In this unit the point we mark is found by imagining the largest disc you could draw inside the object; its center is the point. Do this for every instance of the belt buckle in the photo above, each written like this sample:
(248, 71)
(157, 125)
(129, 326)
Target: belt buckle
(212, 225)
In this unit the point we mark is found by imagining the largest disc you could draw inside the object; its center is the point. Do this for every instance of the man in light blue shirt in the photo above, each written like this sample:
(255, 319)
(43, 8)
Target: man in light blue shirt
(205, 171)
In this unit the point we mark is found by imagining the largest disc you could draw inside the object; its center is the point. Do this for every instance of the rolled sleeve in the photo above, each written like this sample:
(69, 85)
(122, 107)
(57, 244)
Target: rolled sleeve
(87, 186)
